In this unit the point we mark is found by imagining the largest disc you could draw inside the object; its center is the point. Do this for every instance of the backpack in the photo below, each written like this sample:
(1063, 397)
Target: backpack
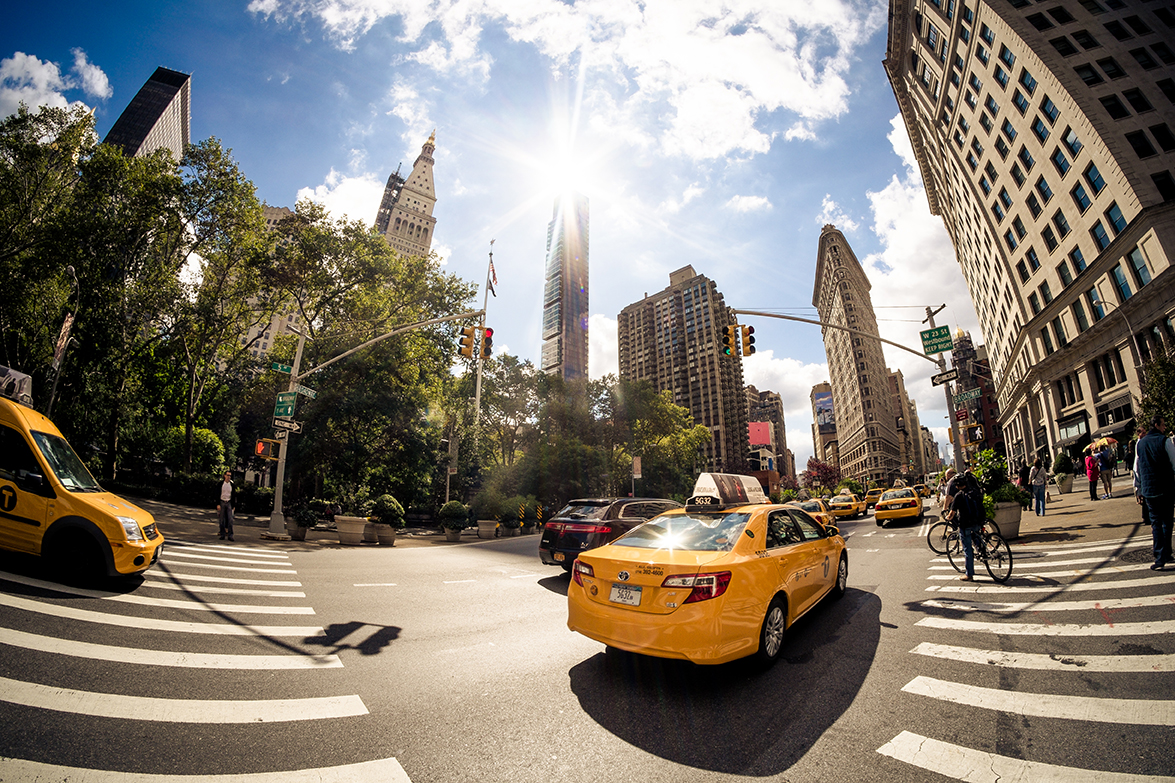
(968, 503)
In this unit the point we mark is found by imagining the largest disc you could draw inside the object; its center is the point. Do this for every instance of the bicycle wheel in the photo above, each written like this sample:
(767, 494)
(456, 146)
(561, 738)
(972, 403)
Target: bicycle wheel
(997, 556)
(955, 553)
(993, 527)
(937, 538)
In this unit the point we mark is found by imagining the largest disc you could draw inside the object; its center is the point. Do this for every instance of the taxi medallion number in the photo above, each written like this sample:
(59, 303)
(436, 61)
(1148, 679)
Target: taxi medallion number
(625, 594)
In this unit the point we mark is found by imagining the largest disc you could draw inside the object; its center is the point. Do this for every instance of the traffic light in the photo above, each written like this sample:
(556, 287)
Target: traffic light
(730, 340)
(467, 338)
(266, 449)
(487, 343)
(748, 340)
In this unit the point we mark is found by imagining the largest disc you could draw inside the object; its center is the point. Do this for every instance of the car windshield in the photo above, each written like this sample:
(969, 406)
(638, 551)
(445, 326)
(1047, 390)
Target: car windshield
(696, 532)
(843, 499)
(898, 493)
(584, 511)
(66, 465)
(811, 507)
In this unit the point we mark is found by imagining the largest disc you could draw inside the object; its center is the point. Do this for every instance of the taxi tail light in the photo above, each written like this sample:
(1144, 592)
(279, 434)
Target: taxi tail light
(705, 586)
(578, 569)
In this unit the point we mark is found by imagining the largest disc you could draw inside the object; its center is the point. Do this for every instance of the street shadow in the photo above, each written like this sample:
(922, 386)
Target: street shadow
(738, 718)
(371, 644)
(557, 583)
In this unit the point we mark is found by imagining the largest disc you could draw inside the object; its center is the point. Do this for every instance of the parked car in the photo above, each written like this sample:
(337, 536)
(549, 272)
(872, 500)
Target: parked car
(722, 579)
(846, 504)
(591, 522)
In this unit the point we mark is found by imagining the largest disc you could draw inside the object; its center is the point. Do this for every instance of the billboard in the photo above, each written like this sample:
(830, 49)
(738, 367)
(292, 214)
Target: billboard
(759, 433)
(825, 418)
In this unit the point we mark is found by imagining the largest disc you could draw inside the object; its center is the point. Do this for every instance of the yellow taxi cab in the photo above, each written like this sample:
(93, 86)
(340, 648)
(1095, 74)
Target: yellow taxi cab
(722, 579)
(872, 496)
(846, 504)
(51, 506)
(817, 508)
(922, 490)
(902, 503)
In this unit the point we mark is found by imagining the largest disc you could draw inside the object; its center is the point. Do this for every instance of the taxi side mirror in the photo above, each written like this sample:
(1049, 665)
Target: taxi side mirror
(832, 531)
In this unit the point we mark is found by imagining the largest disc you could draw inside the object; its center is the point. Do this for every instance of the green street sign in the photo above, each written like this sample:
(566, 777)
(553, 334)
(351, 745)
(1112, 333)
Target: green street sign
(306, 390)
(285, 404)
(287, 369)
(970, 394)
(937, 340)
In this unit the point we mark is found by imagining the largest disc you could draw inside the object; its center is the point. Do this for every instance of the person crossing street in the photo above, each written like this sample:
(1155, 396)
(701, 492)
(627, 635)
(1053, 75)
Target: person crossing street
(1154, 487)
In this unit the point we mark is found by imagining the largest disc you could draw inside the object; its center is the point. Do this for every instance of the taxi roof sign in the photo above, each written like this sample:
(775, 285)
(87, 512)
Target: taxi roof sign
(713, 490)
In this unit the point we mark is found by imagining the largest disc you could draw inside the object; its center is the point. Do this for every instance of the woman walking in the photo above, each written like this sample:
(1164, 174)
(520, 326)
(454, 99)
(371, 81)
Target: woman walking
(1039, 479)
(1092, 472)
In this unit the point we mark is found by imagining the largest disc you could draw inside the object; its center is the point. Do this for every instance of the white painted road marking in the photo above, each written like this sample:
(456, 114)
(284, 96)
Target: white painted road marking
(1152, 581)
(1066, 572)
(163, 573)
(976, 766)
(187, 564)
(130, 655)
(228, 547)
(224, 590)
(110, 705)
(1071, 663)
(381, 770)
(223, 550)
(375, 584)
(1028, 629)
(1054, 606)
(1138, 712)
(170, 553)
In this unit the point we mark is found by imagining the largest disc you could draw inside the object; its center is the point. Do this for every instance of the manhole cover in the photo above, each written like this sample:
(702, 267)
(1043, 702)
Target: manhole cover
(1138, 556)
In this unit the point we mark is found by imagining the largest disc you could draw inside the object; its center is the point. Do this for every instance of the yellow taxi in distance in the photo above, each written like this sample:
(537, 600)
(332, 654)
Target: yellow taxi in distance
(922, 490)
(872, 496)
(902, 503)
(722, 579)
(817, 508)
(846, 504)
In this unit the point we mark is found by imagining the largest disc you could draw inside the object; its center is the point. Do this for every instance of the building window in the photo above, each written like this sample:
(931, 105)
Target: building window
(1060, 161)
(1061, 223)
(985, 121)
(1078, 259)
(1005, 198)
(1017, 175)
(1027, 82)
(1080, 197)
(983, 183)
(1039, 128)
(971, 161)
(1034, 302)
(998, 212)
(1059, 330)
(1137, 100)
(1033, 204)
(1046, 293)
(1121, 283)
(1033, 259)
(1114, 215)
(1001, 147)
(1042, 187)
(1118, 31)
(1071, 142)
(1039, 21)
(1018, 224)
(1050, 239)
(1008, 130)
(1100, 237)
(1111, 68)
(1010, 240)
(970, 99)
(1144, 59)
(1141, 144)
(1026, 158)
(1094, 178)
(1006, 56)
(1095, 304)
(986, 34)
(1048, 341)
(1085, 40)
(1001, 76)
(1063, 46)
(1163, 136)
(1022, 268)
(1114, 107)
(1080, 317)
(981, 54)
(1065, 275)
(993, 107)
(1142, 275)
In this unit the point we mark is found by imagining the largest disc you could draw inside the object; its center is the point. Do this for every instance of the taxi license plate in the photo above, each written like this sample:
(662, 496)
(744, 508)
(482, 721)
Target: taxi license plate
(625, 594)
(558, 557)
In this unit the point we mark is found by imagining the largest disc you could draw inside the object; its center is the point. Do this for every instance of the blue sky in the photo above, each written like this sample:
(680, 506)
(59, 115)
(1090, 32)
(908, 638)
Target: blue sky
(721, 136)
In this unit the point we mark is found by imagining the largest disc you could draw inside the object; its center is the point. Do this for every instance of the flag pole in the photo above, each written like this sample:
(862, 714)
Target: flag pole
(481, 350)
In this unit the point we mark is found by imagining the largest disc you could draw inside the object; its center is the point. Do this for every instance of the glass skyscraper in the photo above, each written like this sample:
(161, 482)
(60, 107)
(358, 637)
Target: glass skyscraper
(565, 295)
(159, 116)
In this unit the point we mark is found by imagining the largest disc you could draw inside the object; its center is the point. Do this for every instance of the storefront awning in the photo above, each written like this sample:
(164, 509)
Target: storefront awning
(1124, 428)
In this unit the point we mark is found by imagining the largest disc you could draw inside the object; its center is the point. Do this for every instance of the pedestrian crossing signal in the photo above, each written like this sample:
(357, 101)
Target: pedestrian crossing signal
(267, 449)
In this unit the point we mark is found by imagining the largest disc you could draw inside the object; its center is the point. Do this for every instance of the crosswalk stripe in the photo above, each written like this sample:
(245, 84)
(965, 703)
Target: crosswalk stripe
(1029, 629)
(224, 550)
(234, 547)
(224, 590)
(152, 624)
(1071, 663)
(162, 603)
(196, 556)
(1141, 712)
(1037, 565)
(187, 564)
(1040, 555)
(1118, 584)
(1065, 571)
(143, 657)
(976, 766)
(1137, 540)
(148, 708)
(163, 573)
(1053, 606)
(383, 770)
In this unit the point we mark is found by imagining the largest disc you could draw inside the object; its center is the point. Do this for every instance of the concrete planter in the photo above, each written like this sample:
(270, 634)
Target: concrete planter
(1065, 486)
(1007, 516)
(369, 535)
(487, 528)
(386, 535)
(452, 534)
(350, 529)
(296, 531)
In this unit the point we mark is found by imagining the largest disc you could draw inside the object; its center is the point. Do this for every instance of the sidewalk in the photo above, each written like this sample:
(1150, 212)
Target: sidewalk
(1074, 517)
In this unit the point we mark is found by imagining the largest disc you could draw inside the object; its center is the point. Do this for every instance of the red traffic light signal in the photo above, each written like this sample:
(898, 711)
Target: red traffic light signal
(487, 342)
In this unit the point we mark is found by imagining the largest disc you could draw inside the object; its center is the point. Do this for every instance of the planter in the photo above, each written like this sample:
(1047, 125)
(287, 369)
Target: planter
(1066, 486)
(453, 534)
(512, 531)
(350, 529)
(386, 535)
(296, 531)
(528, 530)
(369, 533)
(1007, 516)
(487, 528)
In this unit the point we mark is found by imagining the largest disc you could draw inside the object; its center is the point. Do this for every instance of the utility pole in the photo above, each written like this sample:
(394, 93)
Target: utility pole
(942, 367)
(277, 519)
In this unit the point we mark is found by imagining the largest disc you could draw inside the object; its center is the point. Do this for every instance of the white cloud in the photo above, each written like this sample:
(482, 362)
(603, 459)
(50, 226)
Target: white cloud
(354, 197)
(92, 79)
(749, 204)
(793, 381)
(672, 206)
(702, 75)
(410, 109)
(603, 357)
(29, 80)
(443, 251)
(832, 213)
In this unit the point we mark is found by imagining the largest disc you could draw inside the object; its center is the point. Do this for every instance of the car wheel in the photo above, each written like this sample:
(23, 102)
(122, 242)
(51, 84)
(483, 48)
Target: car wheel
(772, 633)
(879, 522)
(842, 577)
(568, 566)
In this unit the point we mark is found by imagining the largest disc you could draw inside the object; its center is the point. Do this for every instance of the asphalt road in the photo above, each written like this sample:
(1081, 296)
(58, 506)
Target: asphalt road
(441, 664)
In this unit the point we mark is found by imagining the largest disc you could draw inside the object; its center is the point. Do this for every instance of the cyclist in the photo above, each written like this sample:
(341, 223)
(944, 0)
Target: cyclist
(964, 507)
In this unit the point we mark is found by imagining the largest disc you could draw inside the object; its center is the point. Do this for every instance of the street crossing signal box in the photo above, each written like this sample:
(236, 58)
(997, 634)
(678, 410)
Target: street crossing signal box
(267, 449)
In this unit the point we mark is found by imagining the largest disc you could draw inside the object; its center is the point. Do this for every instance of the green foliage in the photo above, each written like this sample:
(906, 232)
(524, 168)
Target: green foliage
(304, 516)
(454, 515)
(787, 496)
(1063, 464)
(991, 470)
(252, 499)
(207, 452)
(1157, 385)
(487, 504)
(387, 511)
(851, 485)
(1010, 493)
(820, 475)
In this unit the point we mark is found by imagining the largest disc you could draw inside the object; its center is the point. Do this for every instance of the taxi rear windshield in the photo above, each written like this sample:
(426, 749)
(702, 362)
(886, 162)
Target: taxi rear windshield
(696, 532)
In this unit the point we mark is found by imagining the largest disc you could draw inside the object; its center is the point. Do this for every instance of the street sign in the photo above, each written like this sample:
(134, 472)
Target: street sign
(961, 415)
(286, 424)
(281, 434)
(937, 340)
(287, 369)
(944, 377)
(300, 389)
(970, 394)
(452, 471)
(285, 404)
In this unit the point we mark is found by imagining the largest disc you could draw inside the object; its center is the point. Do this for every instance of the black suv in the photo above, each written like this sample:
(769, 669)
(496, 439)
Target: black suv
(592, 522)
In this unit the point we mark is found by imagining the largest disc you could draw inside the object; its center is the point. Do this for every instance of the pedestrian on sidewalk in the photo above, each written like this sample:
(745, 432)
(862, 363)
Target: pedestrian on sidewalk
(1038, 477)
(1092, 472)
(1154, 487)
(1023, 475)
(1105, 463)
(224, 509)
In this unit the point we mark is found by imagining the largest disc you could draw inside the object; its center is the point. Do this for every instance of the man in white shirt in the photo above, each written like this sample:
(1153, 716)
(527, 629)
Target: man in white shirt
(224, 508)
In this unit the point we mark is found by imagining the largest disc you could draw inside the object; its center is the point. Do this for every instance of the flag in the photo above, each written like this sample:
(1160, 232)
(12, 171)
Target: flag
(493, 281)
(492, 291)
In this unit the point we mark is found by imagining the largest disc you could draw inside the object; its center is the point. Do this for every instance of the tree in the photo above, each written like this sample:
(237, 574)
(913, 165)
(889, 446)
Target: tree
(820, 474)
(1157, 389)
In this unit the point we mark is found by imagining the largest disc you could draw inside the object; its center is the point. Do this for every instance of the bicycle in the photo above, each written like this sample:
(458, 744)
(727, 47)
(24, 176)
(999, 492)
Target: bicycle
(940, 532)
(989, 546)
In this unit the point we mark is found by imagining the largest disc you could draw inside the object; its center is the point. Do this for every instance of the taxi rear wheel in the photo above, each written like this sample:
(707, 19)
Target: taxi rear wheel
(772, 633)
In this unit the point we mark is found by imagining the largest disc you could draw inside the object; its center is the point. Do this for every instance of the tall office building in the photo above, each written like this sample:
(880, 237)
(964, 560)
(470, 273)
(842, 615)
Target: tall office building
(767, 406)
(673, 339)
(565, 294)
(405, 212)
(865, 422)
(824, 439)
(909, 429)
(1046, 141)
(160, 115)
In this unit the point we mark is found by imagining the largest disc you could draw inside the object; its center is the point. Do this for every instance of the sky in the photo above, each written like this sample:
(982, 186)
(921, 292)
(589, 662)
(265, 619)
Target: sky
(723, 136)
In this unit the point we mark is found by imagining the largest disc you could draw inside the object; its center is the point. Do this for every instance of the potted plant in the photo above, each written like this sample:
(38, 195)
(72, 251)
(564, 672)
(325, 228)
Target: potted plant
(487, 509)
(1063, 470)
(454, 518)
(352, 523)
(1009, 502)
(513, 514)
(530, 516)
(299, 520)
(388, 516)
